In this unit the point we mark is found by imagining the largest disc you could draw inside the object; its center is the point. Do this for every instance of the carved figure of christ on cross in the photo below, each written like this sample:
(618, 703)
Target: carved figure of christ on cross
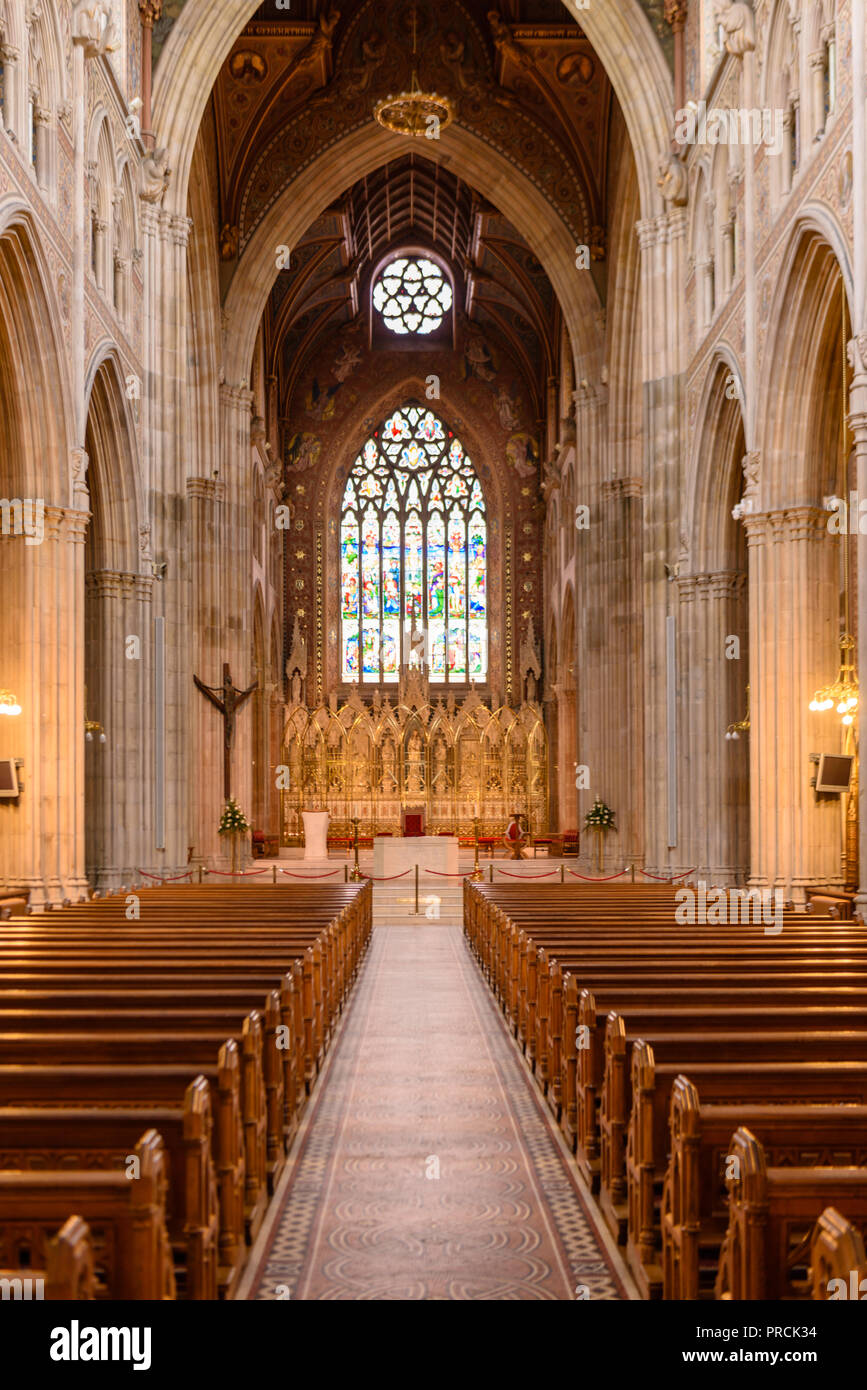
(228, 700)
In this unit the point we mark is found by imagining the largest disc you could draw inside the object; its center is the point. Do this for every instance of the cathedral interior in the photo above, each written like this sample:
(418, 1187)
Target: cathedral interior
(433, 437)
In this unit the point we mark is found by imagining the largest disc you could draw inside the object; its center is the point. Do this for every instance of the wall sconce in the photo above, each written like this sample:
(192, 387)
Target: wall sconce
(734, 731)
(8, 703)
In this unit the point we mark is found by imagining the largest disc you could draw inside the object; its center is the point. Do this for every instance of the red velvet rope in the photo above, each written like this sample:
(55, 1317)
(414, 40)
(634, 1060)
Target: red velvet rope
(551, 873)
(673, 879)
(388, 877)
(608, 878)
(157, 879)
(439, 874)
(244, 873)
(289, 874)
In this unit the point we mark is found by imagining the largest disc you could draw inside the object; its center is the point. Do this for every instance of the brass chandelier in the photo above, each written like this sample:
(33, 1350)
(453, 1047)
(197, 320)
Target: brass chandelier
(414, 112)
(843, 692)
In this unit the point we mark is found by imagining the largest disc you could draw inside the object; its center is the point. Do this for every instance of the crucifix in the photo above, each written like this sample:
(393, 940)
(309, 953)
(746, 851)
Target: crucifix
(228, 700)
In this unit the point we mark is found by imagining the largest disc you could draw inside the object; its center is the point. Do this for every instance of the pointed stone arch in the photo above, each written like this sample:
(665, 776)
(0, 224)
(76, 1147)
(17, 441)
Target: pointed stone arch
(619, 30)
(117, 619)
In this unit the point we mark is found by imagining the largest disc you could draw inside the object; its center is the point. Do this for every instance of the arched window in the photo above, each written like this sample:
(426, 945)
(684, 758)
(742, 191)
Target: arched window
(413, 554)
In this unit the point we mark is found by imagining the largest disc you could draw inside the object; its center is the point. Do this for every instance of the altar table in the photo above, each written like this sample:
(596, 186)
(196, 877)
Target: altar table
(392, 855)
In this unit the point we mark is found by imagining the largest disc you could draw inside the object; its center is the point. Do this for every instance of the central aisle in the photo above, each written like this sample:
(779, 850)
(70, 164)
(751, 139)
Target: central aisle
(427, 1166)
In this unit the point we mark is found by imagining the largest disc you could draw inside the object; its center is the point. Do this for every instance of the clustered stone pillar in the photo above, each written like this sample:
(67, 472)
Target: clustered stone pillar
(206, 504)
(119, 825)
(794, 649)
(714, 771)
(662, 243)
(621, 662)
(42, 629)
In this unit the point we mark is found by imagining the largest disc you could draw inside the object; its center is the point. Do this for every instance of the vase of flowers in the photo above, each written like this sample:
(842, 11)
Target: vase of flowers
(234, 824)
(599, 819)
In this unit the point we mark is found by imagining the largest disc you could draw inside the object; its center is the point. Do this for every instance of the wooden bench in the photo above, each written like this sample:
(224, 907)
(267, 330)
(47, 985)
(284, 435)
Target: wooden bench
(115, 1087)
(694, 1200)
(40, 1138)
(136, 1008)
(772, 1213)
(721, 1082)
(132, 1253)
(583, 976)
(838, 1263)
(69, 1274)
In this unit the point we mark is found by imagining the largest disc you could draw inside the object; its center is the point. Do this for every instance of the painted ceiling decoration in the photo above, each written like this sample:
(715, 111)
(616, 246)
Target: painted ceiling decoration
(533, 91)
(523, 77)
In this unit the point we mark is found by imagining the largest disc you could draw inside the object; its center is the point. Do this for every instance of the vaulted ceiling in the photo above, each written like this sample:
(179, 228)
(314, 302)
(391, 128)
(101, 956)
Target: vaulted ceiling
(523, 77)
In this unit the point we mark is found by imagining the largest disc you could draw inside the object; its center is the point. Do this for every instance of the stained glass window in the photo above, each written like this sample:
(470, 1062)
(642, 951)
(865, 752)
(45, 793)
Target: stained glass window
(412, 295)
(413, 555)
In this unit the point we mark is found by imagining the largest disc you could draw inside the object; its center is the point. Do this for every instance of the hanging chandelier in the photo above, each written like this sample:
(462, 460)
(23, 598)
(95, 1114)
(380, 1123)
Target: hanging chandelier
(414, 112)
(843, 692)
(8, 703)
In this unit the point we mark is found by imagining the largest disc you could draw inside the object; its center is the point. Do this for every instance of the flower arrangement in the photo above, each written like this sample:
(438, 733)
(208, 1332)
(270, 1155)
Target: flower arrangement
(233, 821)
(600, 817)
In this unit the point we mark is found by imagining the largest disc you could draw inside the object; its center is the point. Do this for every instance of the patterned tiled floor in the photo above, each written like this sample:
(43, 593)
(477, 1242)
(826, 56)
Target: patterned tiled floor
(427, 1167)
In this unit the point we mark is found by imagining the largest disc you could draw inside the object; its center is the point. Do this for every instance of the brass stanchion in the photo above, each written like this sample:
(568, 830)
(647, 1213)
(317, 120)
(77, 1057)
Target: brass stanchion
(562, 873)
(346, 873)
(355, 876)
(274, 874)
(477, 874)
(416, 890)
(492, 872)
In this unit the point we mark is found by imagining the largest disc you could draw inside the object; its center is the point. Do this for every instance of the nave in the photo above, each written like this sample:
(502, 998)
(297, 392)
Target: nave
(427, 1167)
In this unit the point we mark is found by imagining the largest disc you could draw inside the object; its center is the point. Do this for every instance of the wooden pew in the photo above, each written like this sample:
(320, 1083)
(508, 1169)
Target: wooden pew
(736, 1044)
(132, 1254)
(694, 1202)
(723, 1083)
(69, 1274)
(116, 1086)
(838, 1263)
(208, 943)
(772, 1212)
(193, 1050)
(39, 1138)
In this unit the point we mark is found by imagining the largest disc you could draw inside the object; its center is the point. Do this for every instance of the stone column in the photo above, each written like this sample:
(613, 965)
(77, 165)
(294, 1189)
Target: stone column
(714, 772)
(662, 242)
(794, 595)
(206, 502)
(166, 446)
(42, 629)
(118, 811)
(567, 754)
(236, 564)
(149, 11)
(555, 771)
(9, 57)
(621, 659)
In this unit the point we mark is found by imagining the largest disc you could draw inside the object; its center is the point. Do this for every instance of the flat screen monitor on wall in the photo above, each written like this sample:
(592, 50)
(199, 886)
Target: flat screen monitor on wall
(8, 778)
(835, 772)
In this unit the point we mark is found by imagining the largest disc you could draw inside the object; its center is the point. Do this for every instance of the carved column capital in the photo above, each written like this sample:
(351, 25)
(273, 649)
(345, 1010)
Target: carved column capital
(149, 12)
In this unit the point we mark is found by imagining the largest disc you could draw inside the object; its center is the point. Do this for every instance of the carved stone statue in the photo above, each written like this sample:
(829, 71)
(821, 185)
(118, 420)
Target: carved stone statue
(739, 24)
(415, 765)
(673, 182)
(530, 663)
(155, 175)
(296, 666)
